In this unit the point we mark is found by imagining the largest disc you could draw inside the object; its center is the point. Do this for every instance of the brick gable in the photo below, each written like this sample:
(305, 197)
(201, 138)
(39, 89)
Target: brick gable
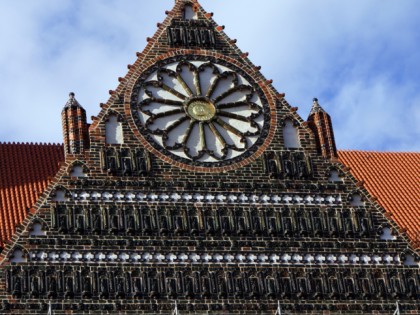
(135, 228)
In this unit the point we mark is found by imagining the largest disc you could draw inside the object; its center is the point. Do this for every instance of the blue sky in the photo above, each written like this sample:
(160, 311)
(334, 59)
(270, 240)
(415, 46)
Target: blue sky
(360, 58)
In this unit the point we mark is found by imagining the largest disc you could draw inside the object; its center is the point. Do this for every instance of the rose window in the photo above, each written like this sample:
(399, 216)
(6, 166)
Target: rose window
(200, 112)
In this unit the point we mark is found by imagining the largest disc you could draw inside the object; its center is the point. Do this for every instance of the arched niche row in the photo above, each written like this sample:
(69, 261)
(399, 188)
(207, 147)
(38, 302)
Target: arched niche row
(190, 31)
(126, 161)
(288, 165)
(223, 221)
(176, 283)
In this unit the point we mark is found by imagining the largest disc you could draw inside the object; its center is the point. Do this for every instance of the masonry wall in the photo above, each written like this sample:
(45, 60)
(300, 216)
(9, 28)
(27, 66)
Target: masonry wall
(140, 231)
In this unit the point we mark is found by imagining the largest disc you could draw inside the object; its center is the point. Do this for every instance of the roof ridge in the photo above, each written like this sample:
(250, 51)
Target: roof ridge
(31, 143)
(377, 151)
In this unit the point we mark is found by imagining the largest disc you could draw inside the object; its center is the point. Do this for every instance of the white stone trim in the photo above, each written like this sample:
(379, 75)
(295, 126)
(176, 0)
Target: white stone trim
(217, 198)
(253, 258)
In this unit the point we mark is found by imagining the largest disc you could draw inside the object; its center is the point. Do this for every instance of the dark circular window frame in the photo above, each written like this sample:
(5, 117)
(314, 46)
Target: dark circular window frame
(217, 164)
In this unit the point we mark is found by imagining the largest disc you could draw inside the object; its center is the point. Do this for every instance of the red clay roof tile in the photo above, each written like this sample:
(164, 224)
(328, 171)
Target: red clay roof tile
(24, 172)
(394, 178)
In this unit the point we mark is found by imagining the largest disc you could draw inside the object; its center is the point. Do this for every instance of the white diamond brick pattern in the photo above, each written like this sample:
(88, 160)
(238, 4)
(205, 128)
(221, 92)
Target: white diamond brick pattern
(219, 258)
(228, 198)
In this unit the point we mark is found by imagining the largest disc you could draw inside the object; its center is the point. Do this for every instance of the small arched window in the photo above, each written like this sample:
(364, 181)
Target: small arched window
(334, 176)
(410, 261)
(77, 171)
(36, 230)
(356, 200)
(60, 195)
(114, 131)
(290, 135)
(189, 13)
(386, 235)
(18, 256)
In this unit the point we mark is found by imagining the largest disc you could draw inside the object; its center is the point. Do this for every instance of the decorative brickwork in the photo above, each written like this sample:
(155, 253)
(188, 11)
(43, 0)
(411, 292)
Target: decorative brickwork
(321, 125)
(75, 128)
(191, 34)
(135, 229)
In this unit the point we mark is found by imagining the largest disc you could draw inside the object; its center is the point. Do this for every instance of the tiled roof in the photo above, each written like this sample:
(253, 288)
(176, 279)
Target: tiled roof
(25, 170)
(394, 178)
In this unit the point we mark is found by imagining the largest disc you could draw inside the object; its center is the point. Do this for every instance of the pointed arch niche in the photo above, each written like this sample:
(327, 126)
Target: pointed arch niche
(290, 134)
(356, 200)
(60, 194)
(19, 255)
(38, 228)
(113, 129)
(78, 169)
(190, 12)
(386, 234)
(335, 175)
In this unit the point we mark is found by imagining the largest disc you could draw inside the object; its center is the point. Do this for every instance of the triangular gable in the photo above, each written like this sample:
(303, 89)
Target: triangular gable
(139, 226)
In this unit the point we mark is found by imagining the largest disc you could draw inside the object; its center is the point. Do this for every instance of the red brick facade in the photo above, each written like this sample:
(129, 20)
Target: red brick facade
(75, 127)
(321, 125)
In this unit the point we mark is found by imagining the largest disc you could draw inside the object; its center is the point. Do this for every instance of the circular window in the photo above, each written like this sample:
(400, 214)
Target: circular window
(200, 111)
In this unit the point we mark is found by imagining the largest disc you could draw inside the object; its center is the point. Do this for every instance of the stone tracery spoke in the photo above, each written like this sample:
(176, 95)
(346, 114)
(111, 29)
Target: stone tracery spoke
(235, 131)
(184, 85)
(167, 113)
(163, 101)
(176, 124)
(229, 127)
(197, 82)
(188, 134)
(220, 138)
(218, 79)
(203, 143)
(238, 88)
(159, 84)
(188, 150)
(250, 105)
(181, 80)
(157, 116)
(234, 116)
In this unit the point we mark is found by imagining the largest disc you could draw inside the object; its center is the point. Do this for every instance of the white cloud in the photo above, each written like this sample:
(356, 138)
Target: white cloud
(360, 58)
(375, 112)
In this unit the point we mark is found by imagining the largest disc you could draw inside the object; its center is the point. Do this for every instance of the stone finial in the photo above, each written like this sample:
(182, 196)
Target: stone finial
(72, 102)
(316, 107)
